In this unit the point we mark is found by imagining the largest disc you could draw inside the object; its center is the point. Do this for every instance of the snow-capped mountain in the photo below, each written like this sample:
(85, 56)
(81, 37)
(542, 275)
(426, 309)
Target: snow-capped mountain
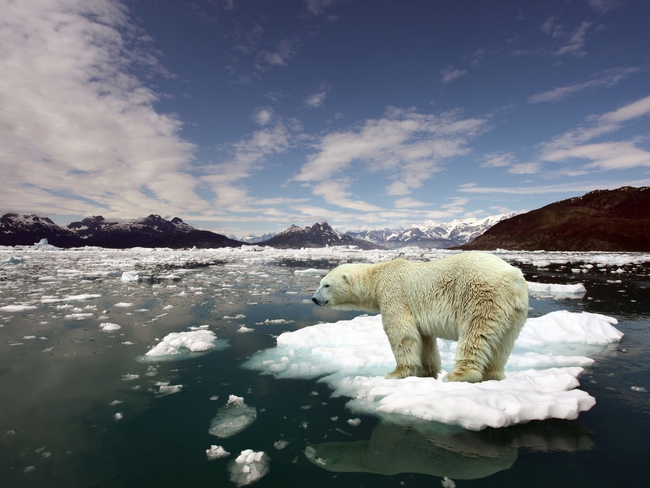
(320, 234)
(432, 234)
(16, 229)
(151, 231)
(251, 239)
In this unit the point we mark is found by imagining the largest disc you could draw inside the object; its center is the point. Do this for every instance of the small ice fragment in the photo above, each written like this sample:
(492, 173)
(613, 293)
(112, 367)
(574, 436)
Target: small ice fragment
(232, 418)
(243, 329)
(115, 402)
(109, 327)
(129, 276)
(354, 422)
(29, 469)
(448, 483)
(214, 397)
(123, 304)
(638, 388)
(249, 467)
(118, 416)
(130, 377)
(216, 452)
(164, 389)
(280, 444)
(17, 308)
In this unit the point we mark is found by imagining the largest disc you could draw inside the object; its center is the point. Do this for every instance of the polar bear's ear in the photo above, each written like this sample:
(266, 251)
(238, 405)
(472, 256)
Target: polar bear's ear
(346, 277)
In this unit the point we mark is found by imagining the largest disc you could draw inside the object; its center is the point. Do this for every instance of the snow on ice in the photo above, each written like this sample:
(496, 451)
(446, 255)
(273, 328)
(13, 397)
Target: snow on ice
(352, 357)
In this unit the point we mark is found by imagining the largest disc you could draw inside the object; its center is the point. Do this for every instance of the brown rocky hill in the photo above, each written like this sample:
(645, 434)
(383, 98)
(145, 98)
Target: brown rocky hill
(601, 220)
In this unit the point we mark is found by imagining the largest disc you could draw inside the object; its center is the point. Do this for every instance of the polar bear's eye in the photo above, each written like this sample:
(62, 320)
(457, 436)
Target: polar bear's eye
(326, 286)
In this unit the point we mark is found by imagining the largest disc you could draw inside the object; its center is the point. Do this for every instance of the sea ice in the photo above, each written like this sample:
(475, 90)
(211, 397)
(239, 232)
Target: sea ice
(17, 308)
(249, 467)
(180, 345)
(352, 357)
(232, 418)
(129, 276)
(553, 290)
(216, 452)
(108, 327)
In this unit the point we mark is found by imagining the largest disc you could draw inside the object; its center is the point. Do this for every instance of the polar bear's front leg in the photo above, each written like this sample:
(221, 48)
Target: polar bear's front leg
(406, 343)
(430, 358)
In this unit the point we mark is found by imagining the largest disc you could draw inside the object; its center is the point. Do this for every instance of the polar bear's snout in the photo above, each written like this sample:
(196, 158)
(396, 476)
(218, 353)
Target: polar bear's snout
(319, 301)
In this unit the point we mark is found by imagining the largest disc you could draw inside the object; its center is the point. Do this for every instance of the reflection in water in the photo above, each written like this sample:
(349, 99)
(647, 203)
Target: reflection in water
(441, 450)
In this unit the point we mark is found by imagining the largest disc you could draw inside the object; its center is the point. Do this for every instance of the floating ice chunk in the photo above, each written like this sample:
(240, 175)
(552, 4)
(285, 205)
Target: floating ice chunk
(216, 452)
(448, 483)
(118, 416)
(354, 422)
(274, 321)
(17, 308)
(249, 467)
(232, 418)
(281, 444)
(130, 377)
(78, 316)
(12, 260)
(353, 356)
(312, 271)
(553, 290)
(108, 327)
(123, 304)
(164, 389)
(129, 276)
(181, 345)
(243, 329)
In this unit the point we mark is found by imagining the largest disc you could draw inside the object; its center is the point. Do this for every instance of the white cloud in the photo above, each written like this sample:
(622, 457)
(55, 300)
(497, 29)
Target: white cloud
(318, 7)
(315, 100)
(77, 128)
(573, 187)
(525, 168)
(607, 78)
(450, 73)
(498, 160)
(284, 50)
(263, 115)
(246, 157)
(336, 193)
(575, 42)
(606, 155)
(605, 5)
(407, 146)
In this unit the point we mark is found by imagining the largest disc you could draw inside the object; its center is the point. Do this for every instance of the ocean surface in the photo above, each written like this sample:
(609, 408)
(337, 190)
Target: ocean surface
(81, 405)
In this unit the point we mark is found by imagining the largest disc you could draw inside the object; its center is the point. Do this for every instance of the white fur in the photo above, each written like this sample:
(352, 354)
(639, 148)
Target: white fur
(475, 298)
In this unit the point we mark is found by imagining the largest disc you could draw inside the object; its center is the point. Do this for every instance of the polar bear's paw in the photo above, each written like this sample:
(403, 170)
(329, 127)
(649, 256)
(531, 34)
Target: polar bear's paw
(399, 373)
(468, 375)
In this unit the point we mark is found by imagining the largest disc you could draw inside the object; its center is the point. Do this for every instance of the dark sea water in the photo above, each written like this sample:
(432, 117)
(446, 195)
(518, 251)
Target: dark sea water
(58, 424)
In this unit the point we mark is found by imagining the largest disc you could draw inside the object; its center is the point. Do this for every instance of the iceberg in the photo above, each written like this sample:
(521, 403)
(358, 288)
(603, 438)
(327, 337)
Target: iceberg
(553, 290)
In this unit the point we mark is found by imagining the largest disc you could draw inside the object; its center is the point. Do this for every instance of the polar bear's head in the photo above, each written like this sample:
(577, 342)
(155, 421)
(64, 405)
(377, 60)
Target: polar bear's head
(335, 289)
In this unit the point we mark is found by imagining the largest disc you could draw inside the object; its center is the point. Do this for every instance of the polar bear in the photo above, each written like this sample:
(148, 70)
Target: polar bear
(474, 298)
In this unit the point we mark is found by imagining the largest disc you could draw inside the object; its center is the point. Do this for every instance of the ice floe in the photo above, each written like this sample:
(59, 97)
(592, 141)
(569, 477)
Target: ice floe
(182, 345)
(553, 290)
(17, 308)
(232, 418)
(541, 382)
(109, 327)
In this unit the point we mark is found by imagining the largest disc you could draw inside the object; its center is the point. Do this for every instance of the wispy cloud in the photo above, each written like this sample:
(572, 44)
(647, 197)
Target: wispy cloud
(604, 6)
(498, 159)
(317, 99)
(450, 73)
(571, 43)
(76, 124)
(572, 187)
(606, 78)
(407, 146)
(606, 155)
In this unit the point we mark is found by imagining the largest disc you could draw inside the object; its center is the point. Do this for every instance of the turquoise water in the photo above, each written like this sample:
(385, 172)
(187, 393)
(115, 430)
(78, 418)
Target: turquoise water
(59, 388)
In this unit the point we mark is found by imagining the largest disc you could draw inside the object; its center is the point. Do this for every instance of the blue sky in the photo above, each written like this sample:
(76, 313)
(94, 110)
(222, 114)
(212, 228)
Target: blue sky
(247, 116)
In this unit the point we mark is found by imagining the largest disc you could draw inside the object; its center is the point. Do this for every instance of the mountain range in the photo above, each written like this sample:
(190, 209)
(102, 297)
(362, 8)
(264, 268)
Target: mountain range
(601, 220)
